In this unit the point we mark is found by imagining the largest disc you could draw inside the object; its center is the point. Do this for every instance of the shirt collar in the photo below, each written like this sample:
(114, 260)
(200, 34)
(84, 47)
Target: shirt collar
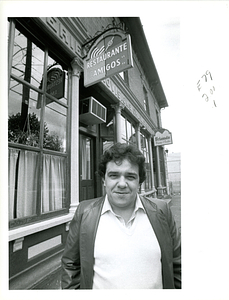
(107, 207)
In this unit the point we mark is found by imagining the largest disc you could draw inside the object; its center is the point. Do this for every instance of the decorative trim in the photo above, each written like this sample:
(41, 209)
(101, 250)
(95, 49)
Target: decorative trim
(75, 27)
(77, 66)
(118, 107)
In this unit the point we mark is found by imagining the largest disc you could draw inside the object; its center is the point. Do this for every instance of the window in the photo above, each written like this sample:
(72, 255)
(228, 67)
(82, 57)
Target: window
(158, 119)
(147, 185)
(128, 131)
(37, 130)
(125, 76)
(145, 100)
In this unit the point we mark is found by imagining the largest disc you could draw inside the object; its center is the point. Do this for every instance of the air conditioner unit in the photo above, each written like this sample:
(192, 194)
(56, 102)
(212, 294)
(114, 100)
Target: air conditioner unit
(92, 111)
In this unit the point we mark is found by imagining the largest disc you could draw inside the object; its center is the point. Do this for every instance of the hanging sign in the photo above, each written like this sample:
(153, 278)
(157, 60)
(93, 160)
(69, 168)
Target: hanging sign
(109, 55)
(162, 137)
(55, 82)
(55, 85)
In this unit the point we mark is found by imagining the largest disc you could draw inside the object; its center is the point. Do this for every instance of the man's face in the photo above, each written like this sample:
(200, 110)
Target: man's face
(122, 183)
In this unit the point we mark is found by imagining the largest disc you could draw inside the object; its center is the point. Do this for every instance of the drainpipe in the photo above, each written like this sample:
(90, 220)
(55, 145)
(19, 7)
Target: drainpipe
(159, 188)
(166, 171)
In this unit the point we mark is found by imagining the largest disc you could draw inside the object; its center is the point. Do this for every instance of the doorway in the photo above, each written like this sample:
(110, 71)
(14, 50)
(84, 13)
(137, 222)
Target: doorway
(86, 167)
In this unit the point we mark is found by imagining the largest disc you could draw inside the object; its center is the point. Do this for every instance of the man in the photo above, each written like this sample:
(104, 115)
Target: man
(122, 240)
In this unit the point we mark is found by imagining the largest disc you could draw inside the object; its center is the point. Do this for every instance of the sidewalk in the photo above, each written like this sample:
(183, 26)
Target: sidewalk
(52, 282)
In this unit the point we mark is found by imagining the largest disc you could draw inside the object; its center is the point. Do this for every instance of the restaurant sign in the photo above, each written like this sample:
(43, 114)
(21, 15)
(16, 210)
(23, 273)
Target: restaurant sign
(109, 55)
(162, 137)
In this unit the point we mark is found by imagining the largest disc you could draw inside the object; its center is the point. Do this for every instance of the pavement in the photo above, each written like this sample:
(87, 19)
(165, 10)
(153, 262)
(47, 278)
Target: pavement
(53, 282)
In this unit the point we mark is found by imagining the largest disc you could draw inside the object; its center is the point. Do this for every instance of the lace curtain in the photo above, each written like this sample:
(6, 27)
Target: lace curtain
(23, 183)
(53, 192)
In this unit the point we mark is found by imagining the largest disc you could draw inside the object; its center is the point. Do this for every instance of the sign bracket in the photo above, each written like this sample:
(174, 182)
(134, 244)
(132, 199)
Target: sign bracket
(116, 27)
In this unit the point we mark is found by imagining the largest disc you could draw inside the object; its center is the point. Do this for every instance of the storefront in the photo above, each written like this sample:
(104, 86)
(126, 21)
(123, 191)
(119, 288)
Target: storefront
(60, 124)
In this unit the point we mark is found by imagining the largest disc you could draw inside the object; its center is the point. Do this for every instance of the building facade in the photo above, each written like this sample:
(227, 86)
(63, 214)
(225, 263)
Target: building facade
(174, 172)
(58, 128)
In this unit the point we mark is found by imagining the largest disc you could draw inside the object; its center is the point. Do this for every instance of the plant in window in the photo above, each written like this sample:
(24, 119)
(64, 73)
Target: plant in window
(17, 134)
(30, 136)
(53, 142)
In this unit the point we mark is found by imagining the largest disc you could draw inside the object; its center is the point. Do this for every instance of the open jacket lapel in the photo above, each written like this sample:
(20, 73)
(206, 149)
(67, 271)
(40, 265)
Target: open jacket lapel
(89, 225)
(161, 228)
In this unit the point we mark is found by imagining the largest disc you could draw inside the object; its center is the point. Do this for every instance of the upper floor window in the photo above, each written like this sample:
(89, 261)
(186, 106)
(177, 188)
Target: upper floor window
(145, 100)
(158, 119)
(37, 130)
(124, 76)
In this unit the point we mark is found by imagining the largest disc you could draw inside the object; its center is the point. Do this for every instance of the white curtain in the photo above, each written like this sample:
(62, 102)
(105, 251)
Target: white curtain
(24, 194)
(86, 159)
(27, 183)
(12, 160)
(54, 183)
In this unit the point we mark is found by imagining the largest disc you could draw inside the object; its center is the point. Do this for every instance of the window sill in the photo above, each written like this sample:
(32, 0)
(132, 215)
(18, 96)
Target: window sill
(37, 227)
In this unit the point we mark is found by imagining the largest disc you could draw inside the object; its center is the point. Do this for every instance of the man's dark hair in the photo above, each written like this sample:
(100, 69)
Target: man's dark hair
(120, 151)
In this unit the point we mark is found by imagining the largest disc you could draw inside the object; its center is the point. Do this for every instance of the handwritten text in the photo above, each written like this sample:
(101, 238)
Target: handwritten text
(206, 88)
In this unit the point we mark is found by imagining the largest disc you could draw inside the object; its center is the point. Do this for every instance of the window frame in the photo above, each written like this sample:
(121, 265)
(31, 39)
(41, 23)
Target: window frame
(125, 76)
(146, 100)
(13, 25)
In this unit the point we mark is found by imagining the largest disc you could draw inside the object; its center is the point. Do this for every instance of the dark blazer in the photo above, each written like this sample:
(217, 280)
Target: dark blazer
(78, 256)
